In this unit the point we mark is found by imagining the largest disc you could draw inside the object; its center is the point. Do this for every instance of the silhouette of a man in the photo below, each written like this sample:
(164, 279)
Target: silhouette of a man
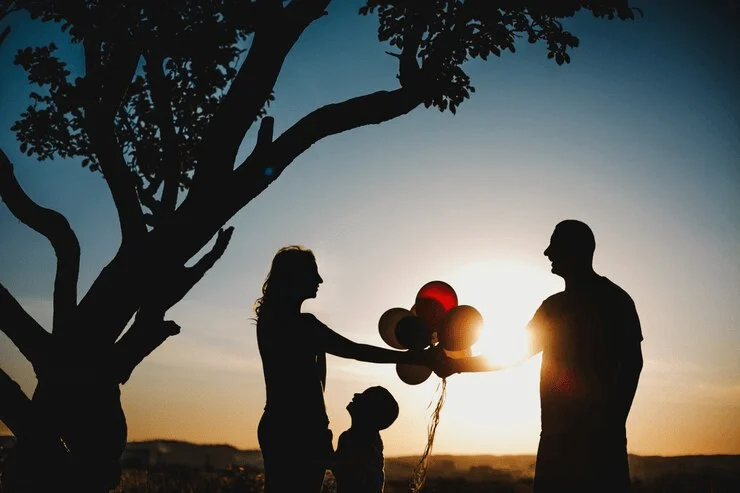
(590, 338)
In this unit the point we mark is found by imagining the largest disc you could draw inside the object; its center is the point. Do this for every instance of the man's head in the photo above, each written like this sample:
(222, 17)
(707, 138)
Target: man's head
(375, 408)
(571, 248)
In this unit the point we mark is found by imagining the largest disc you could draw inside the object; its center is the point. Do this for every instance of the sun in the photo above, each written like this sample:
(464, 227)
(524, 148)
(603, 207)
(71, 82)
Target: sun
(498, 412)
(506, 293)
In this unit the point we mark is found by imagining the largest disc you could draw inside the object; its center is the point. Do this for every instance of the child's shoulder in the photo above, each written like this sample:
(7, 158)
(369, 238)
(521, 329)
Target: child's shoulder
(360, 436)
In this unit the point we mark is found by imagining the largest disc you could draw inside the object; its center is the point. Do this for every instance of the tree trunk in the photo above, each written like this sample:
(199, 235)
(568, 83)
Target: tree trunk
(82, 434)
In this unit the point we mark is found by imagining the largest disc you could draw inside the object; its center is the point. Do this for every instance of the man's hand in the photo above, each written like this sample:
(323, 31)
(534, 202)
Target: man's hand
(446, 368)
(441, 364)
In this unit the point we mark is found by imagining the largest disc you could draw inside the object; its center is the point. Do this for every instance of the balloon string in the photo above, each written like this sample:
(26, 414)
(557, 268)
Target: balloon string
(420, 471)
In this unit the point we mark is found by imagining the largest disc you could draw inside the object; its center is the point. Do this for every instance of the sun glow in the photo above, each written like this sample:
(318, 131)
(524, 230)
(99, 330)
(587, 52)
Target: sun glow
(498, 411)
(506, 293)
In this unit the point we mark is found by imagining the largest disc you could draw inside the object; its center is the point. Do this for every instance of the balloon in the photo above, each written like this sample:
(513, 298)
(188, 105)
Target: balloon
(462, 354)
(433, 300)
(413, 374)
(460, 328)
(430, 311)
(387, 326)
(412, 333)
(440, 291)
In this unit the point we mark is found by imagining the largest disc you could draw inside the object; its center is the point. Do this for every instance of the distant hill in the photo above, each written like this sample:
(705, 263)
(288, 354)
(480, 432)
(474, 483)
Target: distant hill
(178, 453)
(171, 452)
(151, 453)
(641, 467)
(461, 465)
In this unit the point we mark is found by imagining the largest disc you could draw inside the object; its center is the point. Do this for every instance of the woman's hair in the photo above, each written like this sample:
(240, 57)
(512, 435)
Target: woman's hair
(289, 263)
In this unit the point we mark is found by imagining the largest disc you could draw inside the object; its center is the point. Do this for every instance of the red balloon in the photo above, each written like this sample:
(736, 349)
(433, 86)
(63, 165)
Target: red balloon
(433, 300)
(460, 328)
(440, 291)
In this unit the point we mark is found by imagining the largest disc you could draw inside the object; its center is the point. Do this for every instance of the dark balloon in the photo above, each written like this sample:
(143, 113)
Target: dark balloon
(412, 333)
(413, 374)
(387, 326)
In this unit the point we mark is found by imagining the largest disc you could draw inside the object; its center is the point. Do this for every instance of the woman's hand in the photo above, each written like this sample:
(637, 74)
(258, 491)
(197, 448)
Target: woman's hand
(436, 359)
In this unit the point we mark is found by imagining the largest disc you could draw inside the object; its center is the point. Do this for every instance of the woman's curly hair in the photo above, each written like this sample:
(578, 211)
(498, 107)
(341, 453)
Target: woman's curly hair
(289, 262)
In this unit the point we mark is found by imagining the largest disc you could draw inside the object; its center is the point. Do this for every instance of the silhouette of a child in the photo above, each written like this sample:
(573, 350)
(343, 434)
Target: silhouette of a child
(358, 464)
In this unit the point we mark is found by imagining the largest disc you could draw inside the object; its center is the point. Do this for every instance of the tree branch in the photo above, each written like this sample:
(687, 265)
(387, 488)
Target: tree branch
(4, 34)
(170, 285)
(6, 8)
(252, 87)
(197, 219)
(15, 408)
(113, 297)
(147, 199)
(163, 109)
(194, 274)
(23, 331)
(150, 329)
(56, 228)
(27, 424)
(146, 334)
(261, 169)
(112, 85)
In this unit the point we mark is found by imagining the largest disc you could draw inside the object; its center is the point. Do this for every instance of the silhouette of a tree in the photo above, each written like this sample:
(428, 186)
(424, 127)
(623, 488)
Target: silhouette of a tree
(170, 89)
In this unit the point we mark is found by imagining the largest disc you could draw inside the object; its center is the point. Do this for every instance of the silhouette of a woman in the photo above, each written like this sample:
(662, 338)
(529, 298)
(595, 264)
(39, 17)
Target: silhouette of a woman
(293, 432)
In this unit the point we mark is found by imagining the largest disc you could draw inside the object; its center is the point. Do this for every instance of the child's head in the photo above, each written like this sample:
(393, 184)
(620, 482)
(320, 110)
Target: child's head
(374, 408)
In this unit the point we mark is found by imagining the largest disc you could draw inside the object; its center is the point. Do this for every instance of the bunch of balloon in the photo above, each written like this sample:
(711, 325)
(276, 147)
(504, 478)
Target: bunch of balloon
(435, 319)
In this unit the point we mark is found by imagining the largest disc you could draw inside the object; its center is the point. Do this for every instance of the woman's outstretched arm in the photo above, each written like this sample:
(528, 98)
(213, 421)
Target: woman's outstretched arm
(339, 345)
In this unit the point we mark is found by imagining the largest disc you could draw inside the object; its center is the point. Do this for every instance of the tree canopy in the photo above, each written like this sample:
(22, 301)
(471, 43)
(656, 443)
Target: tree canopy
(170, 90)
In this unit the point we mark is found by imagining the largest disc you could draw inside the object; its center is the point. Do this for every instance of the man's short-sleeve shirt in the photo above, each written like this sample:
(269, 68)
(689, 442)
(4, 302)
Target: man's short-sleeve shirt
(583, 335)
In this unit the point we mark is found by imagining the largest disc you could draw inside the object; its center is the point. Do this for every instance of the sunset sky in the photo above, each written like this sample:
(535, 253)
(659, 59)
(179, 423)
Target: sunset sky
(639, 137)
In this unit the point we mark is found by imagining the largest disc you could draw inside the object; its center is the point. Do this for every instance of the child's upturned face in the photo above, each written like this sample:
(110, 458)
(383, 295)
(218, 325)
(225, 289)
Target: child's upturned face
(360, 405)
(354, 403)
(373, 409)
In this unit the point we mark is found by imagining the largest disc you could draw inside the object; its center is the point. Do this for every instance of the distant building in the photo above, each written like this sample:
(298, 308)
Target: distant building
(137, 458)
(249, 458)
(172, 453)
(442, 468)
(487, 473)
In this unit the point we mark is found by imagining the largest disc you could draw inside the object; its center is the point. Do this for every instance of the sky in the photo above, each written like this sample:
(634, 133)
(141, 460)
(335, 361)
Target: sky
(638, 137)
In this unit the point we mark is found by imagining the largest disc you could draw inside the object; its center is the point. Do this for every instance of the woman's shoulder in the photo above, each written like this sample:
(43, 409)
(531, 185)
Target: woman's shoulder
(310, 318)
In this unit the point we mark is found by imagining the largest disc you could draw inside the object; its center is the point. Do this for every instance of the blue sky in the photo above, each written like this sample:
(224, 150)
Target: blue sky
(638, 137)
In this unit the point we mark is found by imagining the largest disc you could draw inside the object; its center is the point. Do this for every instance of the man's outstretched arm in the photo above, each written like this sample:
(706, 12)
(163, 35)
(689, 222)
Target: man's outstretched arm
(481, 363)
